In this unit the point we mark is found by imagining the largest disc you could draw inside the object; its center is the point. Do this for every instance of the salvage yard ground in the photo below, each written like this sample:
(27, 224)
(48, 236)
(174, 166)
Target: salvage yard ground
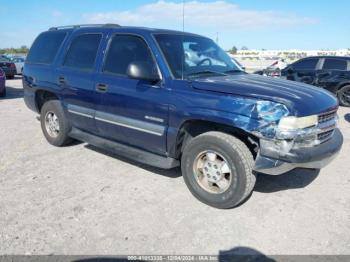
(82, 200)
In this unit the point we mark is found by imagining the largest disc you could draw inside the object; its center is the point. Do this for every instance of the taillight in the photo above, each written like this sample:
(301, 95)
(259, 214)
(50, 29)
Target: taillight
(12, 65)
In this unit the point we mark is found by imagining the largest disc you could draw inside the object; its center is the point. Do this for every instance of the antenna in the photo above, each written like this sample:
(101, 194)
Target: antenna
(183, 39)
(183, 16)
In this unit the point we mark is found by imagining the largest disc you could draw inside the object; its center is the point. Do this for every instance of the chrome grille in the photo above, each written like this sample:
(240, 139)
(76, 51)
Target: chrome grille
(327, 122)
(327, 117)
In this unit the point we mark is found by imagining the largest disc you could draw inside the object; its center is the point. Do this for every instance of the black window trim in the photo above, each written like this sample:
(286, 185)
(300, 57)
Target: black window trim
(336, 58)
(69, 46)
(111, 37)
(57, 53)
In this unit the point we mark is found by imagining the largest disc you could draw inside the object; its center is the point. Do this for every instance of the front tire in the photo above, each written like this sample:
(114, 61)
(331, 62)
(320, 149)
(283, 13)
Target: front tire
(218, 169)
(54, 123)
(343, 95)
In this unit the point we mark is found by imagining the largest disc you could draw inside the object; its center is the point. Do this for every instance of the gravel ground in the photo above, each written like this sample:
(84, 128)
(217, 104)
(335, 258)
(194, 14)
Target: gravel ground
(81, 200)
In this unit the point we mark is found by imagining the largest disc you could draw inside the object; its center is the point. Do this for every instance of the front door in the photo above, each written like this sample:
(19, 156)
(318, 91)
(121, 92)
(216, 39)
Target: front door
(304, 71)
(130, 111)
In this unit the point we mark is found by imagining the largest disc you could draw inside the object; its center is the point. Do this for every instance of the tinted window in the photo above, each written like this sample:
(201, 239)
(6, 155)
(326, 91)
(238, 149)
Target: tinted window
(82, 51)
(46, 47)
(335, 64)
(306, 64)
(123, 50)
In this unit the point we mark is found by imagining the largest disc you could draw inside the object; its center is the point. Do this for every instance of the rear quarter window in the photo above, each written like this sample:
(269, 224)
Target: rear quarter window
(335, 64)
(45, 47)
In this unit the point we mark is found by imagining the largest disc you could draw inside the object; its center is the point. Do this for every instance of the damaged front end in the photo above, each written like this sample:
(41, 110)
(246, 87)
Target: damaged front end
(287, 142)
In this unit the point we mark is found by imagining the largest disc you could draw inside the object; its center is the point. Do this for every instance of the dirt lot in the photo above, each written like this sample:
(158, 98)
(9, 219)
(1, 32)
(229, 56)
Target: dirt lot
(80, 200)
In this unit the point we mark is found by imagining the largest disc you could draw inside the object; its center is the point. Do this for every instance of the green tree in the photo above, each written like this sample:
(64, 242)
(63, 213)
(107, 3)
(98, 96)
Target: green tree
(233, 50)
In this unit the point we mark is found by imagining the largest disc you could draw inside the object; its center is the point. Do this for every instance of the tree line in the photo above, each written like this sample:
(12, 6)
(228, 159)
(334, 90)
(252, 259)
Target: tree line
(21, 50)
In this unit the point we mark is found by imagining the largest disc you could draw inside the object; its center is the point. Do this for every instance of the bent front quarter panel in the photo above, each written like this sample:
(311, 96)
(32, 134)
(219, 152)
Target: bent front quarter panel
(187, 103)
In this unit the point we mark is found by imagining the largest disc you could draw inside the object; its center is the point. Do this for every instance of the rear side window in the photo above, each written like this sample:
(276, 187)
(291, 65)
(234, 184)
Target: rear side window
(335, 64)
(123, 50)
(82, 52)
(307, 64)
(45, 47)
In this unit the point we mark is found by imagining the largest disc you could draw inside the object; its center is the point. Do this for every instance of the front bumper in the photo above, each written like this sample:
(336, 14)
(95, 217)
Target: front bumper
(309, 157)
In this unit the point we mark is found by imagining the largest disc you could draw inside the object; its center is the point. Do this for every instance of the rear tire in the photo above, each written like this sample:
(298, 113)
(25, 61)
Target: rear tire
(343, 95)
(223, 181)
(54, 123)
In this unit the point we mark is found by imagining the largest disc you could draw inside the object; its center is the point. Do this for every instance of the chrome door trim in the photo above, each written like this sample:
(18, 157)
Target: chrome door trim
(131, 123)
(142, 126)
(81, 111)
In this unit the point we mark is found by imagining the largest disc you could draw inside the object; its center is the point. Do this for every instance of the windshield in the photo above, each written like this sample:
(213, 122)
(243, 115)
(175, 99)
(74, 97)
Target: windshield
(202, 57)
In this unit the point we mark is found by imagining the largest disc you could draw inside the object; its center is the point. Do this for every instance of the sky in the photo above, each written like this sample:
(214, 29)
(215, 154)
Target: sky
(256, 24)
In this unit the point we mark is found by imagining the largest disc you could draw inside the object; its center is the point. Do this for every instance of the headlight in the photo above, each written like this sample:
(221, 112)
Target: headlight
(294, 123)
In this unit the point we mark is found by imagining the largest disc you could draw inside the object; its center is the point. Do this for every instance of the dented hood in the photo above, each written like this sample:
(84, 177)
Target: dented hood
(301, 99)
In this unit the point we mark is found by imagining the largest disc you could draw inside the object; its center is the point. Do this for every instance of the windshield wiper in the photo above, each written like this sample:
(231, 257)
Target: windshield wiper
(205, 72)
(234, 71)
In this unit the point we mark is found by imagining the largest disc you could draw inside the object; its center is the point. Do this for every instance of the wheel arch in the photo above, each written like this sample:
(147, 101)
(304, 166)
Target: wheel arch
(194, 127)
(42, 96)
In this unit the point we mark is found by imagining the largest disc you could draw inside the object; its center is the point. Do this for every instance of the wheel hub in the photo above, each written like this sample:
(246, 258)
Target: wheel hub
(52, 124)
(212, 172)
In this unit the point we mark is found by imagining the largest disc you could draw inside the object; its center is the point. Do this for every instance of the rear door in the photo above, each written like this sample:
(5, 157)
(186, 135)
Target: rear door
(76, 77)
(304, 71)
(333, 72)
(131, 111)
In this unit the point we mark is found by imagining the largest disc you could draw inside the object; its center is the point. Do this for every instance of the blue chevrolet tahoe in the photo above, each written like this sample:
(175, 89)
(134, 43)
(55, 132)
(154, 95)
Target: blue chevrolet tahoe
(168, 98)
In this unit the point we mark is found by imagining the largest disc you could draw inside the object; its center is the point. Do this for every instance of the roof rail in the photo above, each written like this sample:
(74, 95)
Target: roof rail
(83, 25)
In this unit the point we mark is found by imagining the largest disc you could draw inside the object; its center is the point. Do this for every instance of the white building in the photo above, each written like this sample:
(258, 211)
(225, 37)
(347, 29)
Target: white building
(254, 59)
(254, 53)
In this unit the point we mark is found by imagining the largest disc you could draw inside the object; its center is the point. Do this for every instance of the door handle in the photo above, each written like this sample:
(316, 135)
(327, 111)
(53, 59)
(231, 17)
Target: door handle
(101, 87)
(61, 80)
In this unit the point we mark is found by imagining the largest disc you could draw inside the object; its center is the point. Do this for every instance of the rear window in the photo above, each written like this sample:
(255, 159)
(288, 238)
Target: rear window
(82, 52)
(335, 64)
(45, 47)
(307, 64)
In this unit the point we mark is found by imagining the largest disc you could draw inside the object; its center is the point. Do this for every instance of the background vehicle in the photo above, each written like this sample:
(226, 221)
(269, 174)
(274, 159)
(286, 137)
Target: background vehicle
(136, 96)
(2, 83)
(271, 72)
(235, 61)
(329, 72)
(8, 67)
(19, 62)
(274, 70)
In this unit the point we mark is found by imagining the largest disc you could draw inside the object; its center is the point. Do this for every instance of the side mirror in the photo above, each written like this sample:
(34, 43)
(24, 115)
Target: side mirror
(290, 71)
(142, 71)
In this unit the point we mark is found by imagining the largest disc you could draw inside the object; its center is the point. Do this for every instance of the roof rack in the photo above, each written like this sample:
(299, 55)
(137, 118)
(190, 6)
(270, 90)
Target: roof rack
(83, 25)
